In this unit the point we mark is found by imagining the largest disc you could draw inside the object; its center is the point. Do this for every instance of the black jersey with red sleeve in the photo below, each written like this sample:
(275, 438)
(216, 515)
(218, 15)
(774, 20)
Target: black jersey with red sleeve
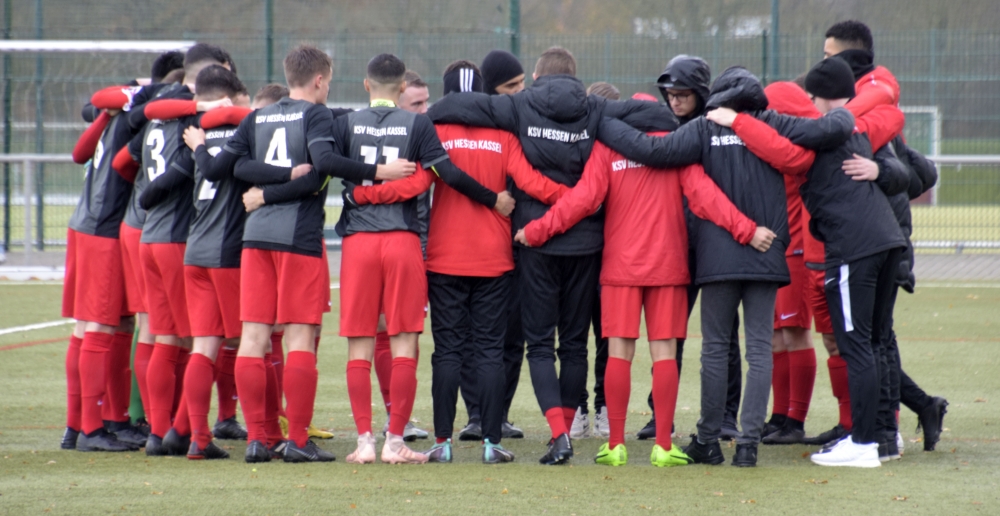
(106, 193)
(168, 166)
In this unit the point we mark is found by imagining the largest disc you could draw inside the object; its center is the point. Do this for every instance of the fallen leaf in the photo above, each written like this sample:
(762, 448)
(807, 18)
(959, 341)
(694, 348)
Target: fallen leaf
(354, 506)
(504, 491)
(147, 483)
(301, 486)
(899, 498)
(980, 400)
(718, 493)
(607, 478)
(51, 462)
(157, 492)
(805, 455)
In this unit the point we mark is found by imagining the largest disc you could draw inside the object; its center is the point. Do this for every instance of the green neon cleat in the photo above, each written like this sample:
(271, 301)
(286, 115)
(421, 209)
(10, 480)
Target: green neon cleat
(664, 459)
(617, 456)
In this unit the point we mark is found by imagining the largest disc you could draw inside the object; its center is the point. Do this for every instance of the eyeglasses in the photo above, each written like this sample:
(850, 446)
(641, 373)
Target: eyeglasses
(678, 96)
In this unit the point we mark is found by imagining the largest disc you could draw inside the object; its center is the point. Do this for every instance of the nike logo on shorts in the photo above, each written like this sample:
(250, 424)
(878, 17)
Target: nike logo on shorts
(829, 280)
(789, 316)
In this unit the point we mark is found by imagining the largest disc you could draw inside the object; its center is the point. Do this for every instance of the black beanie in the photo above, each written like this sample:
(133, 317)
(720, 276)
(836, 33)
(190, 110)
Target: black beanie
(463, 79)
(499, 66)
(831, 78)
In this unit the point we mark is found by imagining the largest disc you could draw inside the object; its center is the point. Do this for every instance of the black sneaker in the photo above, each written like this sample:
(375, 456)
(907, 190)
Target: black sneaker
(277, 451)
(648, 431)
(891, 447)
(208, 453)
(142, 426)
(100, 440)
(931, 420)
(786, 436)
(776, 423)
(308, 453)
(127, 433)
(830, 436)
(746, 456)
(883, 450)
(256, 452)
(509, 431)
(701, 453)
(560, 451)
(154, 446)
(472, 432)
(729, 430)
(69, 439)
(175, 443)
(229, 429)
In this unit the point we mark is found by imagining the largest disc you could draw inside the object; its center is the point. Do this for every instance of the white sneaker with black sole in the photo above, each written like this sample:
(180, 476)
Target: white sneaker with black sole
(581, 426)
(849, 454)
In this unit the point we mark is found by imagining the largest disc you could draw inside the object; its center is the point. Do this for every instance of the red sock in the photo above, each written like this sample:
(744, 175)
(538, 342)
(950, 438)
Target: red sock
(251, 382)
(557, 423)
(278, 358)
(271, 393)
(93, 378)
(402, 391)
(665, 385)
(182, 361)
(161, 383)
(300, 389)
(119, 385)
(838, 380)
(198, 393)
(780, 383)
(73, 383)
(225, 382)
(359, 389)
(802, 378)
(617, 389)
(143, 351)
(569, 414)
(383, 366)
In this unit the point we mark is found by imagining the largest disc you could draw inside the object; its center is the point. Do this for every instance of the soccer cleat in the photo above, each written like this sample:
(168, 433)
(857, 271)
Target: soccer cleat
(283, 423)
(101, 440)
(316, 433)
(847, 453)
(229, 429)
(142, 425)
(931, 420)
(648, 431)
(496, 454)
(154, 446)
(830, 436)
(365, 454)
(746, 456)
(127, 433)
(601, 426)
(729, 430)
(175, 443)
(581, 425)
(440, 452)
(277, 450)
(702, 453)
(775, 424)
(509, 431)
(210, 452)
(308, 453)
(412, 433)
(401, 454)
(472, 432)
(786, 436)
(664, 459)
(560, 451)
(257, 452)
(617, 456)
(69, 439)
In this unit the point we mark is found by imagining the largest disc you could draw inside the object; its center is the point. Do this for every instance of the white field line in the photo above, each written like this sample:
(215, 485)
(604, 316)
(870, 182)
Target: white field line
(37, 326)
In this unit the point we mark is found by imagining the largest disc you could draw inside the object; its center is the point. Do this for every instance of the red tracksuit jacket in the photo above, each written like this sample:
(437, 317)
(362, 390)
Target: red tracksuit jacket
(466, 238)
(645, 236)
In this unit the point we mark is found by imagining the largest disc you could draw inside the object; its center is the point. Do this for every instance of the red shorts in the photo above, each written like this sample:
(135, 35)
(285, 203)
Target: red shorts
(163, 270)
(382, 271)
(816, 296)
(666, 311)
(213, 299)
(94, 287)
(278, 287)
(135, 282)
(791, 310)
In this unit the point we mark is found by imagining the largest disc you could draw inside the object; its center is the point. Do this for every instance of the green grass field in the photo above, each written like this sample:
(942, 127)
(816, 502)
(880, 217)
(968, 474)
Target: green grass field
(950, 344)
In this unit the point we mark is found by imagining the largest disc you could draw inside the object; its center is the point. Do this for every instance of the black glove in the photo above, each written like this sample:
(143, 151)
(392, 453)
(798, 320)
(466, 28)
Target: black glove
(348, 195)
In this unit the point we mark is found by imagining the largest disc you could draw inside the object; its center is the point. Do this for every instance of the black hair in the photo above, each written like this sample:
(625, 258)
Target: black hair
(216, 80)
(202, 52)
(166, 63)
(386, 69)
(852, 34)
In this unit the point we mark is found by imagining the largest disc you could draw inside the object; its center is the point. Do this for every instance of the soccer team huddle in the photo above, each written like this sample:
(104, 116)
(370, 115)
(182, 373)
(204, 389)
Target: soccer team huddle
(554, 208)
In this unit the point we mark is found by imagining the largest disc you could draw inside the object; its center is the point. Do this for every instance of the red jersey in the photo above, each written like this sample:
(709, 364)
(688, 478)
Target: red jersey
(466, 238)
(645, 236)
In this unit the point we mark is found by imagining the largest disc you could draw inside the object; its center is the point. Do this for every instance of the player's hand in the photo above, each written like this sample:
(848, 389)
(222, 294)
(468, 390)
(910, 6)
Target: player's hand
(861, 168)
(722, 116)
(208, 105)
(348, 196)
(398, 169)
(194, 136)
(253, 199)
(762, 239)
(300, 170)
(505, 203)
(521, 239)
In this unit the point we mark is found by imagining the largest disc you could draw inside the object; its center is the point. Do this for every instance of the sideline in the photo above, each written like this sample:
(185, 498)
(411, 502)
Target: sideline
(37, 326)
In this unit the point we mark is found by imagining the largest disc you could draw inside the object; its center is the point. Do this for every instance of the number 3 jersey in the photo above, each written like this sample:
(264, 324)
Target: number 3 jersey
(379, 135)
(162, 149)
(280, 135)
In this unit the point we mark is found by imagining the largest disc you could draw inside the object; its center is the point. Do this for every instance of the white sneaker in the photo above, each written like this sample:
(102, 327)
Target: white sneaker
(850, 454)
(581, 426)
(899, 442)
(601, 426)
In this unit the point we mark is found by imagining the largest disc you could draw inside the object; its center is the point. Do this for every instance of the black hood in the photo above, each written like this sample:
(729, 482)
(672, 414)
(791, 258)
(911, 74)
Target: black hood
(861, 61)
(685, 72)
(737, 89)
(560, 98)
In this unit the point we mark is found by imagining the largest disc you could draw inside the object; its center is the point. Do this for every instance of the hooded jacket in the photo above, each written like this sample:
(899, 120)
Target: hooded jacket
(922, 176)
(557, 124)
(687, 72)
(754, 187)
